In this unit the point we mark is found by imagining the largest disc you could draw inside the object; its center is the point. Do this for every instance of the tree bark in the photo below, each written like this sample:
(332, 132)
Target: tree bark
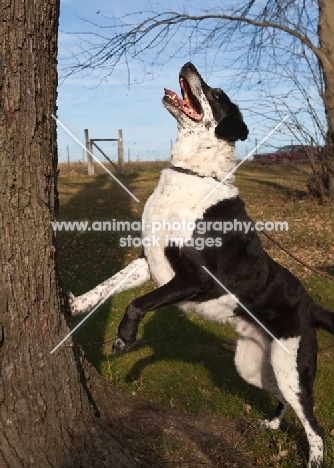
(326, 34)
(46, 416)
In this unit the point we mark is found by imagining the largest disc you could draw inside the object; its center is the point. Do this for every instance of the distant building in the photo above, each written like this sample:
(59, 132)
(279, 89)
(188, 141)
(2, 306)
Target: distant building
(286, 154)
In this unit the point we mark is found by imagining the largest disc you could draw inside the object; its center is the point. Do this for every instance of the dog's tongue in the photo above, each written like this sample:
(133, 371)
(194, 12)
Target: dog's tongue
(185, 105)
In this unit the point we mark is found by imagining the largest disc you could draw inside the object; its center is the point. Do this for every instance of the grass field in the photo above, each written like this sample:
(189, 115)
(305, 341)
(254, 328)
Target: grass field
(186, 362)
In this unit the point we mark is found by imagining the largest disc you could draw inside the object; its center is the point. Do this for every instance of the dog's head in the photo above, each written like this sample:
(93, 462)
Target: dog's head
(204, 106)
(208, 123)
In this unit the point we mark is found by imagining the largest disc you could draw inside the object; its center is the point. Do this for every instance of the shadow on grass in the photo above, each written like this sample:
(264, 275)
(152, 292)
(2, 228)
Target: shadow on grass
(86, 258)
(173, 337)
(291, 193)
(327, 269)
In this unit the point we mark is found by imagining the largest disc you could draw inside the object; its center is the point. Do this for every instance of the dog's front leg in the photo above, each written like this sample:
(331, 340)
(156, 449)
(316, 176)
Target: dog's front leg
(180, 288)
(85, 303)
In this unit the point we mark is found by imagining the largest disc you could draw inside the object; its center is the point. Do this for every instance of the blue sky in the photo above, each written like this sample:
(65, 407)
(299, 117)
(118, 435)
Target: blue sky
(104, 106)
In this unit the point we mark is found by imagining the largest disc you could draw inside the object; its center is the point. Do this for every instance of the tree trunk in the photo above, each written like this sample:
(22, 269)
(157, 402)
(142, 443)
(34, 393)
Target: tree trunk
(46, 416)
(326, 34)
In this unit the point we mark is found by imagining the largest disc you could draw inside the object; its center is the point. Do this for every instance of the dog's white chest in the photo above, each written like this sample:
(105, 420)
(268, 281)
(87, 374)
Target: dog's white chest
(170, 213)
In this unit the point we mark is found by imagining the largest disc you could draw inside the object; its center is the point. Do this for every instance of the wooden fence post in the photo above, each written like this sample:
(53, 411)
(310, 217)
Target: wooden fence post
(120, 151)
(89, 150)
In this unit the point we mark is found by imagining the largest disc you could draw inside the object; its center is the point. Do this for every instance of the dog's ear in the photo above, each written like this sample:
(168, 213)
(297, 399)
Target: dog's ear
(232, 127)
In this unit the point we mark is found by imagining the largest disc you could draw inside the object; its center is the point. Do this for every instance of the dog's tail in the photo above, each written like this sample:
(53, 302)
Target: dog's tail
(323, 318)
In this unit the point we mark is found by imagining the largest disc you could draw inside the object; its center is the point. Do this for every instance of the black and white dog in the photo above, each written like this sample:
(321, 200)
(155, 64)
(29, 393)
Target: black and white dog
(203, 154)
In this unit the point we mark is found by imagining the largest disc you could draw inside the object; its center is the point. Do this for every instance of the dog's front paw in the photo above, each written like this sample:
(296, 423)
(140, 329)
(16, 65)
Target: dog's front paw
(77, 305)
(119, 346)
(69, 300)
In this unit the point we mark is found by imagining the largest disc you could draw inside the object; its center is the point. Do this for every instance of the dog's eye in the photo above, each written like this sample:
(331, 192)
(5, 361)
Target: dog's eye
(216, 93)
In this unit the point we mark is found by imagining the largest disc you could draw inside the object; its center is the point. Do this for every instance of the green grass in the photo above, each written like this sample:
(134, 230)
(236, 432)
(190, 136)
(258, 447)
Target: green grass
(183, 361)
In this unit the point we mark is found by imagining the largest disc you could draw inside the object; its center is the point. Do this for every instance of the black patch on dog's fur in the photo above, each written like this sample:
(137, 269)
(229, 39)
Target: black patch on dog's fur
(232, 127)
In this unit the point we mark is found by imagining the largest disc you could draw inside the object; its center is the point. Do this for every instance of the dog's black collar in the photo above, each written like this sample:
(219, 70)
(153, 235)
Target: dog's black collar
(189, 172)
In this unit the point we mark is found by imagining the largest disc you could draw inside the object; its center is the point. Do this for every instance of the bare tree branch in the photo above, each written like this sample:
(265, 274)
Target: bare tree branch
(213, 29)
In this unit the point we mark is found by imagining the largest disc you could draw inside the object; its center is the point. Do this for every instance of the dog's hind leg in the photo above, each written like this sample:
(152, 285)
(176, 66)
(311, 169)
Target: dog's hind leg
(85, 303)
(252, 360)
(295, 372)
(275, 421)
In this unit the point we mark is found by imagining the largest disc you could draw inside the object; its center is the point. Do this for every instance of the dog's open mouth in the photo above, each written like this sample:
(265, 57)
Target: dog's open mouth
(189, 104)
